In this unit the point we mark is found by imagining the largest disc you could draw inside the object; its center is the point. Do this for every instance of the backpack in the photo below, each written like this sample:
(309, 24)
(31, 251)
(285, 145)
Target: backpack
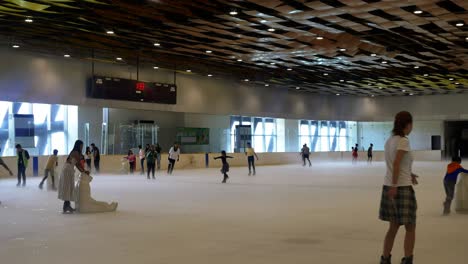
(26, 154)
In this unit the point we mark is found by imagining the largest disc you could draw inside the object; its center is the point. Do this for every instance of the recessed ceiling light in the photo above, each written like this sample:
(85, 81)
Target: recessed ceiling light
(457, 83)
(155, 67)
(338, 94)
(266, 84)
(239, 60)
(425, 75)
(384, 62)
(325, 74)
(157, 44)
(110, 32)
(271, 29)
(380, 87)
(118, 58)
(28, 20)
(15, 46)
(418, 12)
(411, 94)
(450, 79)
(403, 91)
(372, 95)
(233, 13)
(263, 21)
(342, 49)
(298, 88)
(246, 80)
(210, 75)
(416, 67)
(319, 38)
(209, 51)
(67, 55)
(272, 63)
(459, 24)
(370, 84)
(373, 54)
(289, 69)
(188, 70)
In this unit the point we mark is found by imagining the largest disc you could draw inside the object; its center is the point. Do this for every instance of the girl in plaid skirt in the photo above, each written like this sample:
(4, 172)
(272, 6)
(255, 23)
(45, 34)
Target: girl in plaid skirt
(398, 203)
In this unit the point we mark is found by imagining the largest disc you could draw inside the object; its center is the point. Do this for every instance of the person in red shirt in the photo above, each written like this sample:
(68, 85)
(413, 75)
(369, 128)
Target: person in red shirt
(131, 161)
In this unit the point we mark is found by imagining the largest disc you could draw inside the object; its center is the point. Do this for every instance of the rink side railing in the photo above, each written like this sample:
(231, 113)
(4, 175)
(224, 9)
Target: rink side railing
(115, 164)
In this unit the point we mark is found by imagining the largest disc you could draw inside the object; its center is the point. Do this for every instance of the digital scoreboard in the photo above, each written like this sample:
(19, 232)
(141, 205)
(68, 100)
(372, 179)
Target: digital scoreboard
(101, 87)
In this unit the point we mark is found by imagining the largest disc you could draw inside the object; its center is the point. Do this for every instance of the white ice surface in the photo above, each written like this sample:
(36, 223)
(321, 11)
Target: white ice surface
(285, 214)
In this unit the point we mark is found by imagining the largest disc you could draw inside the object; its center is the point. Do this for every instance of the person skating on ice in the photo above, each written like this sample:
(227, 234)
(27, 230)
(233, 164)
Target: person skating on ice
(158, 150)
(2, 163)
(370, 153)
(225, 168)
(150, 161)
(174, 155)
(398, 204)
(250, 153)
(96, 156)
(450, 180)
(142, 157)
(6, 167)
(355, 150)
(52, 163)
(23, 161)
(305, 153)
(66, 186)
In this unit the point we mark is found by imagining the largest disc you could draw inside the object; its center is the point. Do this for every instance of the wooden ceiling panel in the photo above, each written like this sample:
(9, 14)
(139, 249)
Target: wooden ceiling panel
(330, 46)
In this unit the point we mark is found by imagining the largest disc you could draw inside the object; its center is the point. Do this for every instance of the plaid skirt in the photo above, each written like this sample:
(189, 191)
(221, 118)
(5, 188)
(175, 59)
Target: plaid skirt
(402, 209)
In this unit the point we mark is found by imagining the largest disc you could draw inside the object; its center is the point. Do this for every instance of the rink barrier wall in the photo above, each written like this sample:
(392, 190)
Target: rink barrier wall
(116, 164)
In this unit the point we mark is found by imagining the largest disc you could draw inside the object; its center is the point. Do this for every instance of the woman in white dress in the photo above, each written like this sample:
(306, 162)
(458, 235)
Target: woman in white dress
(66, 185)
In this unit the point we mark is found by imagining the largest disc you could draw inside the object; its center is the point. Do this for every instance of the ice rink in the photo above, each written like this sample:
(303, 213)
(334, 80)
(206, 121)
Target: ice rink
(285, 214)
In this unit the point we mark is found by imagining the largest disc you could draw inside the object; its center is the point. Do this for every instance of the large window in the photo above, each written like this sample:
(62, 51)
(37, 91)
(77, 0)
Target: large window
(263, 133)
(326, 135)
(54, 127)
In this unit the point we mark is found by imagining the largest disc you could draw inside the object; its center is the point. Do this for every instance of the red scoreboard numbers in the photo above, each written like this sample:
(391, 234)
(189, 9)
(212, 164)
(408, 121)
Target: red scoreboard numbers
(140, 86)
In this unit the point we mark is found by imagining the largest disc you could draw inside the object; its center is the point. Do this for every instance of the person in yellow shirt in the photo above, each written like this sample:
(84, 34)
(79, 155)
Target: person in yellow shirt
(250, 153)
(52, 162)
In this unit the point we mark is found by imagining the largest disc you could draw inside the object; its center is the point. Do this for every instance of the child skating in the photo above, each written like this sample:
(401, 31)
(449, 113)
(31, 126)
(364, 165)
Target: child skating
(225, 168)
(52, 163)
(450, 180)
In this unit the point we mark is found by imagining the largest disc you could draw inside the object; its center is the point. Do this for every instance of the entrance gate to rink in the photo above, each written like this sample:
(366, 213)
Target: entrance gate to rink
(243, 135)
(119, 138)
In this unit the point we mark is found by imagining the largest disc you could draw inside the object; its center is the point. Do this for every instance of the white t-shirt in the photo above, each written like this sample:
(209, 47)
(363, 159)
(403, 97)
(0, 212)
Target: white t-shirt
(174, 154)
(394, 144)
(142, 154)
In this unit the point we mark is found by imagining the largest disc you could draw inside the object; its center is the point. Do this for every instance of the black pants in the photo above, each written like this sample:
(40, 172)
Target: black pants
(251, 162)
(96, 164)
(170, 168)
(46, 175)
(450, 192)
(88, 162)
(150, 168)
(21, 173)
(142, 163)
(306, 157)
(132, 167)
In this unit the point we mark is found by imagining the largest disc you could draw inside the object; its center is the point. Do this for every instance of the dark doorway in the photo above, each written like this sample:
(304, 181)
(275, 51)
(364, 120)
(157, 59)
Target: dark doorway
(456, 138)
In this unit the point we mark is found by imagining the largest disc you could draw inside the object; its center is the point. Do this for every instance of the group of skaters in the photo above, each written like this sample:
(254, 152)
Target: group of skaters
(151, 155)
(355, 153)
